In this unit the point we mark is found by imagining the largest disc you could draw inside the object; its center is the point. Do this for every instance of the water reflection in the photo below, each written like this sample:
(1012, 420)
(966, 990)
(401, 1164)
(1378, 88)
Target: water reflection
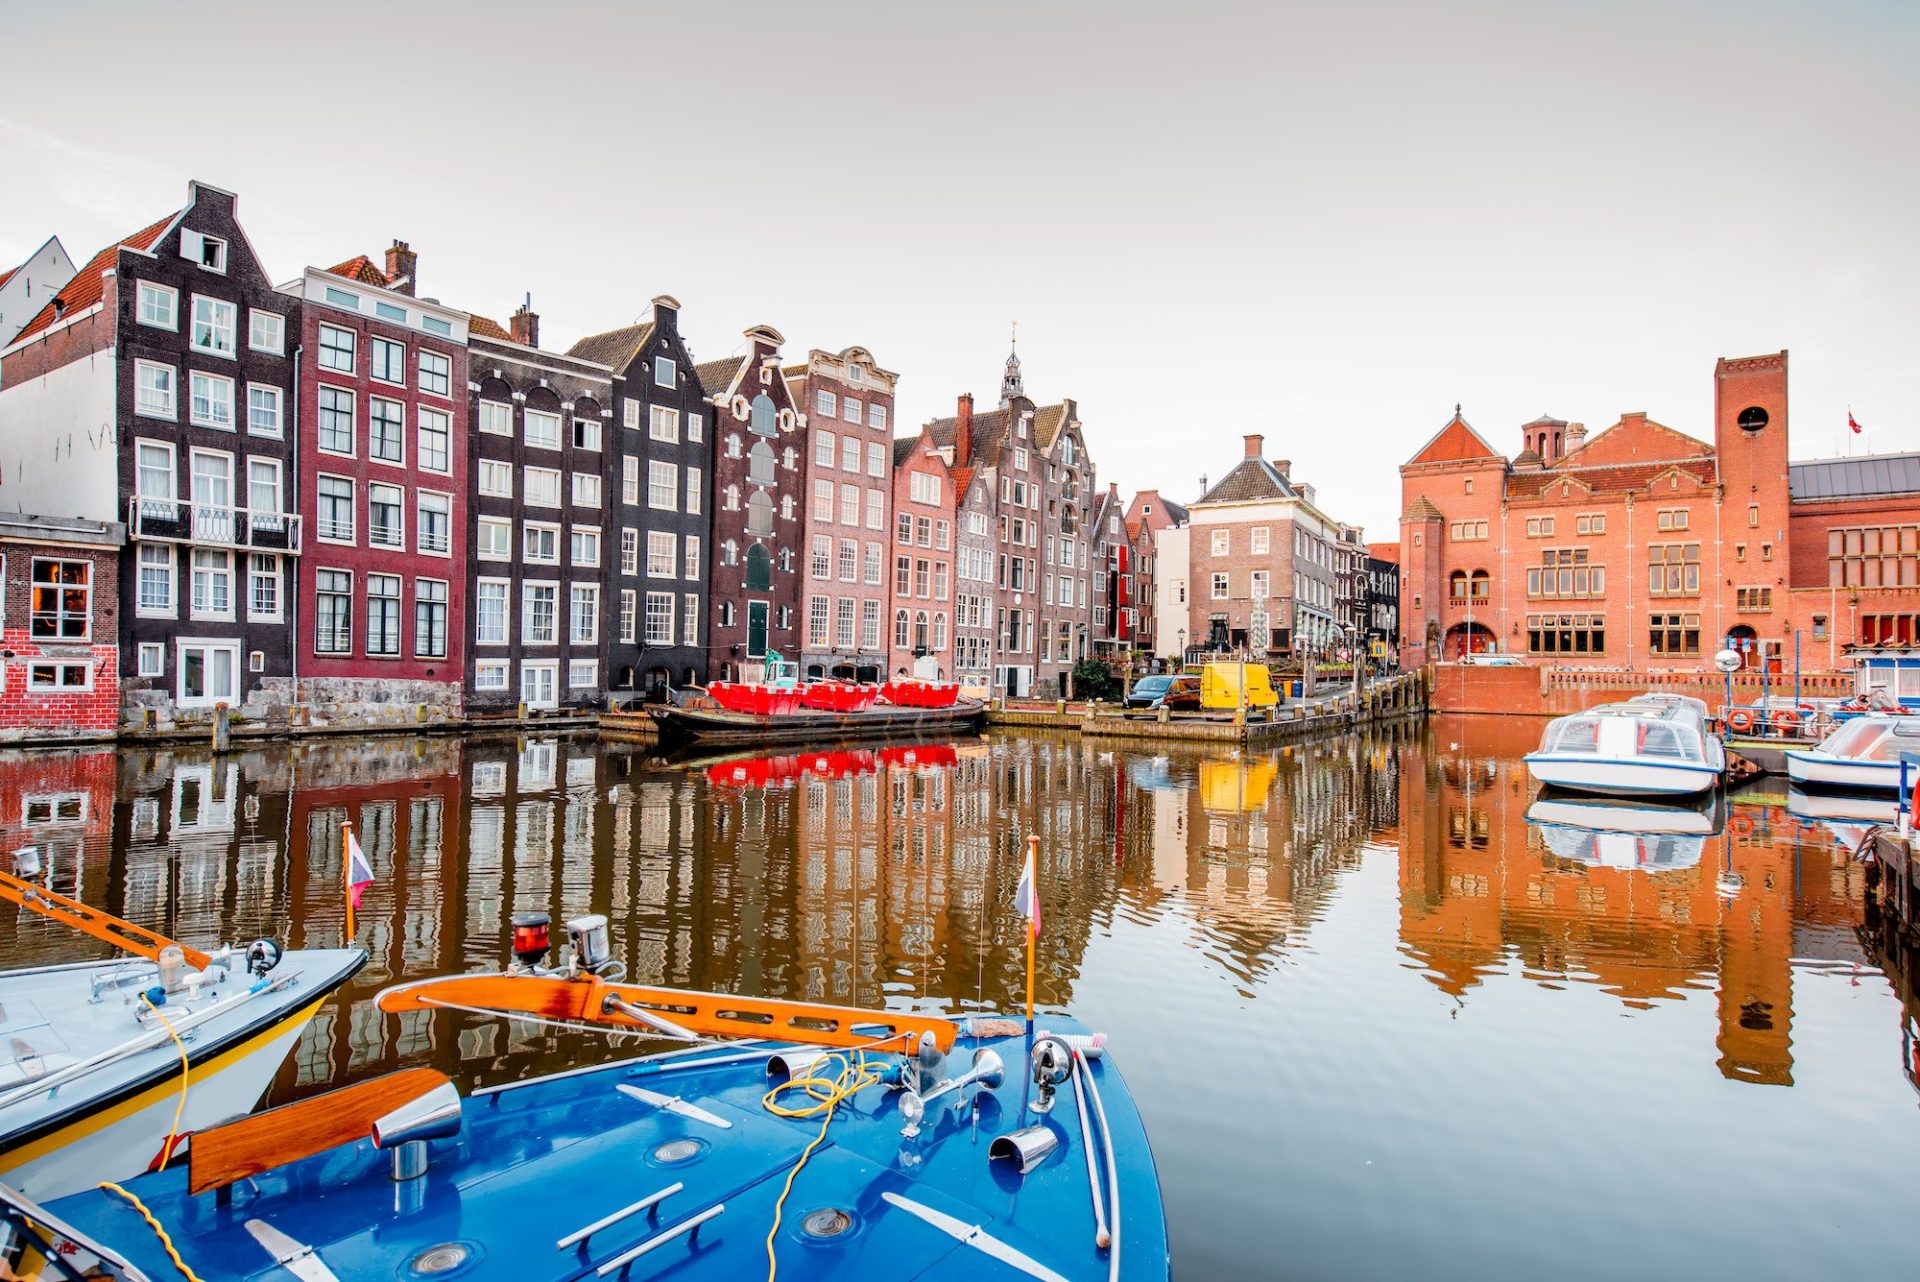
(1335, 898)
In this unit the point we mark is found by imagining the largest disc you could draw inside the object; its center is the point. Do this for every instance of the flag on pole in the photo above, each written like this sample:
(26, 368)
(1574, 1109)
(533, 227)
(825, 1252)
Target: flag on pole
(359, 871)
(1027, 896)
(1857, 429)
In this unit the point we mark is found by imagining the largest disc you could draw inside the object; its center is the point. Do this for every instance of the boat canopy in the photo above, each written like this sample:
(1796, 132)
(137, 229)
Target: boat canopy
(1873, 738)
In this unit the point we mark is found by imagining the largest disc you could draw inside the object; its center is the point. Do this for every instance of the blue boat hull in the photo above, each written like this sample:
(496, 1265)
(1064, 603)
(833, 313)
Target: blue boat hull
(539, 1160)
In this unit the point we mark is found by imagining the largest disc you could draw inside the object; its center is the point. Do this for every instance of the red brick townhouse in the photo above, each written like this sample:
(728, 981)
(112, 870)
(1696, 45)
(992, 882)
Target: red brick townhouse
(59, 626)
(382, 619)
(922, 571)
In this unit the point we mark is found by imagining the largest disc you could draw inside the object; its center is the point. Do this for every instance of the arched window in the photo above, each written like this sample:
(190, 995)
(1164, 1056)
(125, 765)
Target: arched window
(786, 560)
(940, 630)
(920, 629)
(762, 422)
(760, 463)
(759, 513)
(729, 553)
(1457, 585)
(1482, 585)
(733, 445)
(733, 498)
(726, 614)
(759, 568)
(900, 629)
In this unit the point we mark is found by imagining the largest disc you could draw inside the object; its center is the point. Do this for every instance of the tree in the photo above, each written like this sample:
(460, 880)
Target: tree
(1093, 679)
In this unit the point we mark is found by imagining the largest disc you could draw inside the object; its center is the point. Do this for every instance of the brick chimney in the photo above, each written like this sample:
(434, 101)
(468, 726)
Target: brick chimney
(1576, 436)
(1254, 441)
(963, 432)
(1284, 466)
(403, 267)
(524, 325)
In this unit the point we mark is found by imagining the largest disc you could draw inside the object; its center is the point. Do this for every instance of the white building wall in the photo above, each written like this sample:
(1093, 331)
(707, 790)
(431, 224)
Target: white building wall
(1170, 569)
(28, 289)
(59, 452)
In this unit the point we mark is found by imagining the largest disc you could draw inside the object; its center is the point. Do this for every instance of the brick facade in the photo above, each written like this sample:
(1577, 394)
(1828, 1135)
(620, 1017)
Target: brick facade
(921, 560)
(59, 630)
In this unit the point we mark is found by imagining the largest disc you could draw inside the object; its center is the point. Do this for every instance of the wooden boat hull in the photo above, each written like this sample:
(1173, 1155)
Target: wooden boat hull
(717, 725)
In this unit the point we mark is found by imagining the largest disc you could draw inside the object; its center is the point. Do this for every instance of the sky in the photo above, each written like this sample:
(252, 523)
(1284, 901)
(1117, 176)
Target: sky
(1324, 223)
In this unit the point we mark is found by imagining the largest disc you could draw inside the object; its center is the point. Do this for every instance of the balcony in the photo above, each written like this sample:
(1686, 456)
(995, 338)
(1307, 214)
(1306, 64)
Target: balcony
(153, 520)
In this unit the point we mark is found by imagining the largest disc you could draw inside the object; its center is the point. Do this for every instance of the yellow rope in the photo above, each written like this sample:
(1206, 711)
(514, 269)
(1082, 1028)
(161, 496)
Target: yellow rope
(825, 1094)
(159, 1232)
(174, 1135)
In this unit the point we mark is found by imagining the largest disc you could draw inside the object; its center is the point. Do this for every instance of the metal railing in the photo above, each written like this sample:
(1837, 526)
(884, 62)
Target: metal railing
(151, 520)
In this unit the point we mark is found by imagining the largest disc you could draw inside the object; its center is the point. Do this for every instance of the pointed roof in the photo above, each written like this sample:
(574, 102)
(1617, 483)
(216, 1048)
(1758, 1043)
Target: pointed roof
(615, 347)
(903, 447)
(1047, 422)
(362, 269)
(1636, 439)
(1457, 442)
(1010, 383)
(1251, 480)
(1421, 509)
(484, 327)
(88, 284)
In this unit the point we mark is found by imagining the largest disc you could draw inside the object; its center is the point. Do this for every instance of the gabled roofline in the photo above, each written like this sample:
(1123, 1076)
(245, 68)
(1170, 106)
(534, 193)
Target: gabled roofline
(1491, 452)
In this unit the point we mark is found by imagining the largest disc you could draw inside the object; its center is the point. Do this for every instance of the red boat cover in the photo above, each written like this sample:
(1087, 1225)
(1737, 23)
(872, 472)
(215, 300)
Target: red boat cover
(921, 694)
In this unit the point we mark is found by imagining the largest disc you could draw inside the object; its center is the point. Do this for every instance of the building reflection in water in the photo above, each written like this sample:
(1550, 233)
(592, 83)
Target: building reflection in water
(870, 876)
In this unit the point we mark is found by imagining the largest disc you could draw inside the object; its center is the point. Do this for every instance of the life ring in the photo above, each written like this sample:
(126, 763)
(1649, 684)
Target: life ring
(1785, 719)
(1742, 826)
(1740, 721)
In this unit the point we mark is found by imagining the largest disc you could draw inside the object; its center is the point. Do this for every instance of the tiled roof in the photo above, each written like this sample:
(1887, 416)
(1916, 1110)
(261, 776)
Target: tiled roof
(1178, 511)
(8, 274)
(362, 269)
(616, 347)
(989, 426)
(903, 448)
(1254, 478)
(1849, 478)
(87, 286)
(1047, 422)
(717, 376)
(1384, 552)
(1421, 509)
(481, 327)
(1455, 443)
(1636, 439)
(1609, 479)
(962, 482)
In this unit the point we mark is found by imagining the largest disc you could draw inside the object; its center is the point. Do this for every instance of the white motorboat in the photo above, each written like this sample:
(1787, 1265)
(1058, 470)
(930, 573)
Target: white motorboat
(1654, 745)
(1863, 753)
(1643, 836)
(92, 1055)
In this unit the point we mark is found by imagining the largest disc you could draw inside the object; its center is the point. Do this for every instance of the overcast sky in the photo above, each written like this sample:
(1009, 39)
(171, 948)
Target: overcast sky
(1323, 222)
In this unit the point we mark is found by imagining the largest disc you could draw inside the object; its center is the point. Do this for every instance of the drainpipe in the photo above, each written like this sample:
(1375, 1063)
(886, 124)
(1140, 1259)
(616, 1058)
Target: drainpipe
(293, 569)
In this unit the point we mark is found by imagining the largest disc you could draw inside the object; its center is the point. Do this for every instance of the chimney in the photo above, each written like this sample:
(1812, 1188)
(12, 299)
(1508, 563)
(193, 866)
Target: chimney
(524, 325)
(1576, 436)
(403, 267)
(963, 431)
(1284, 466)
(1254, 441)
(666, 309)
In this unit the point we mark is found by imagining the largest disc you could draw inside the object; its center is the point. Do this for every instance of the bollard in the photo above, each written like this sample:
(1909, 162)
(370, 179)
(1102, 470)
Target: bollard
(221, 730)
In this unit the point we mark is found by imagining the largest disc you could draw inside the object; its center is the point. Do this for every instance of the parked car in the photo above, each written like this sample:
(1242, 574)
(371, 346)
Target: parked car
(1146, 691)
(1183, 695)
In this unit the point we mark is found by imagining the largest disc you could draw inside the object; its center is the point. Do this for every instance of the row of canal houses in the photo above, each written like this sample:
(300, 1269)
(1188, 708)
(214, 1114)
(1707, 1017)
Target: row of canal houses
(335, 499)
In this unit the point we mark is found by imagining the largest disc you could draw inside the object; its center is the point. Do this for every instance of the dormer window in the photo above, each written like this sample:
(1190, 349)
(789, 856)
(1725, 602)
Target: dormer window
(208, 251)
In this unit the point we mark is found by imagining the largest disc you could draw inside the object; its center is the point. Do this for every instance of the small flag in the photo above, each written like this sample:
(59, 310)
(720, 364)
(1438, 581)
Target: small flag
(359, 871)
(1857, 429)
(1026, 897)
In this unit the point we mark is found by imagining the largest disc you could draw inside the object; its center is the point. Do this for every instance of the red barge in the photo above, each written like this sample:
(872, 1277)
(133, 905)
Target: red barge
(782, 710)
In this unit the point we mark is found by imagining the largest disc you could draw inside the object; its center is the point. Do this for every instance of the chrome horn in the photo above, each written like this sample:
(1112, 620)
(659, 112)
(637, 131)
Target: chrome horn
(987, 1069)
(406, 1130)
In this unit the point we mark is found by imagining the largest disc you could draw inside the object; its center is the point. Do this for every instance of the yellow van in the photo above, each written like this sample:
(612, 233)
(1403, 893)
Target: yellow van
(1220, 687)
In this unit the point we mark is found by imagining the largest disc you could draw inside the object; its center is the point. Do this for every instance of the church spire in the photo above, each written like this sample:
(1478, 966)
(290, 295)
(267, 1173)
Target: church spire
(1010, 385)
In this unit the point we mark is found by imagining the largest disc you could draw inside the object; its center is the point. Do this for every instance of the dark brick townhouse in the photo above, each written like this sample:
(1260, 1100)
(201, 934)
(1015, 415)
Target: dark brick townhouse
(156, 389)
(757, 492)
(381, 620)
(659, 492)
(538, 520)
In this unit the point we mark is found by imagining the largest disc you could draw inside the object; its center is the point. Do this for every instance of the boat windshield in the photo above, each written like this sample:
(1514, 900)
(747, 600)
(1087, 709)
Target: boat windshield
(1661, 739)
(1854, 738)
(1572, 734)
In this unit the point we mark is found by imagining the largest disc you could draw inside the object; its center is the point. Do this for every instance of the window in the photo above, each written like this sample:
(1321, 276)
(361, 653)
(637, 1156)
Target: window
(1566, 634)
(696, 433)
(540, 544)
(212, 584)
(1753, 515)
(336, 349)
(630, 413)
(1540, 527)
(496, 418)
(586, 489)
(435, 528)
(542, 429)
(1752, 600)
(436, 373)
(693, 491)
(824, 404)
(336, 421)
(902, 576)
(153, 659)
(586, 433)
(869, 625)
(429, 619)
(59, 676)
(1564, 572)
(1219, 587)
(383, 614)
(691, 572)
(900, 637)
(659, 618)
(1875, 556)
(333, 612)
(538, 624)
(494, 539)
(876, 415)
(490, 611)
(209, 252)
(212, 401)
(215, 325)
(263, 409)
(263, 491)
(817, 612)
(159, 306)
(155, 387)
(629, 612)
(336, 508)
(436, 432)
(386, 430)
(1259, 585)
(583, 674)
(1672, 636)
(1673, 569)
(761, 421)
(496, 479)
(1593, 523)
(664, 372)
(387, 361)
(663, 483)
(690, 619)
(583, 614)
(1466, 531)
(662, 552)
(943, 538)
(850, 454)
(386, 526)
(266, 331)
(62, 600)
(843, 616)
(1020, 455)
(1672, 518)
(663, 424)
(823, 449)
(759, 574)
(1222, 542)
(156, 579)
(820, 564)
(540, 487)
(491, 674)
(871, 564)
(850, 505)
(923, 488)
(849, 560)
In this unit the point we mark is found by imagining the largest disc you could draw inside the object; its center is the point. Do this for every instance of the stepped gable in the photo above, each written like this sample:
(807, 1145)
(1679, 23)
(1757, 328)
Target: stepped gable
(615, 348)
(88, 284)
(1457, 442)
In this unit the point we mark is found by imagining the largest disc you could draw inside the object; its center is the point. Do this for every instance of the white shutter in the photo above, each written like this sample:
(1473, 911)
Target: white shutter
(190, 245)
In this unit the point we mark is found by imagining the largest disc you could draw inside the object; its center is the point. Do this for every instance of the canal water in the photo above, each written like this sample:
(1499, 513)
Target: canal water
(1380, 1025)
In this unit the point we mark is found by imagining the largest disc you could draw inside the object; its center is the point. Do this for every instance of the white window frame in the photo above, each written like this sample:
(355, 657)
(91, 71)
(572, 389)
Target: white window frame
(497, 526)
(172, 412)
(214, 305)
(154, 289)
(496, 418)
(506, 610)
(527, 477)
(276, 325)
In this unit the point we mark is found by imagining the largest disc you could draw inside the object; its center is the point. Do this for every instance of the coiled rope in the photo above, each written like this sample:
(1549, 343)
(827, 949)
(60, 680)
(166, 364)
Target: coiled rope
(824, 1094)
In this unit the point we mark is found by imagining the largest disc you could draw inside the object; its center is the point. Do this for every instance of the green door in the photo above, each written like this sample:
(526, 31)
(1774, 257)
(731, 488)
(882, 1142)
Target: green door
(756, 629)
